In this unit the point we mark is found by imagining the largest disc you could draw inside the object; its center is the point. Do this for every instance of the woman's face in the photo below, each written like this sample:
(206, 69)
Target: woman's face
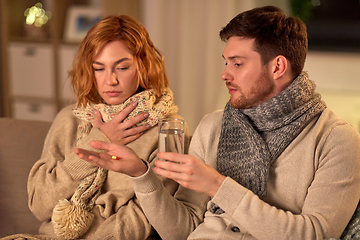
(115, 73)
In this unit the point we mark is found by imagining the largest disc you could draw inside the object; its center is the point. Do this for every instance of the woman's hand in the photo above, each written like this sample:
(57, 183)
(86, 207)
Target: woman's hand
(128, 163)
(119, 131)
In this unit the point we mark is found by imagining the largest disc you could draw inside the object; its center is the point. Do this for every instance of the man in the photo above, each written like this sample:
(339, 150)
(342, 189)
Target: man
(275, 163)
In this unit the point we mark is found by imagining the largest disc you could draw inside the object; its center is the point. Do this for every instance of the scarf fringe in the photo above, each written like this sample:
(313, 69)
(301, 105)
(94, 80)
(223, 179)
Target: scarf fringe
(71, 221)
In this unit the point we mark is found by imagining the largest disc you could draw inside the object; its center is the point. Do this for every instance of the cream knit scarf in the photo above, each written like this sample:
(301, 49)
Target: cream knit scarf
(251, 139)
(73, 218)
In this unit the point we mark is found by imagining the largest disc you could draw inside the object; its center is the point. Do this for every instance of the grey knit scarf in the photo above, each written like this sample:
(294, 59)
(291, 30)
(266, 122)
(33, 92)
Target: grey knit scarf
(251, 139)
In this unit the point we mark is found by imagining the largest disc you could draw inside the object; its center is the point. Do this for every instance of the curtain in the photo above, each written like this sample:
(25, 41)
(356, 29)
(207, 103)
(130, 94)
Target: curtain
(187, 33)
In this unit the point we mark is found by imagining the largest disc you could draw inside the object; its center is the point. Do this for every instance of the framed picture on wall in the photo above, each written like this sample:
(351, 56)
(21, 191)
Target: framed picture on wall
(79, 20)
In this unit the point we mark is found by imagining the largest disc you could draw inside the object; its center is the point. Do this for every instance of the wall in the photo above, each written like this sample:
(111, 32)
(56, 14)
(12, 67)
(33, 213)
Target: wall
(337, 76)
(186, 32)
(2, 112)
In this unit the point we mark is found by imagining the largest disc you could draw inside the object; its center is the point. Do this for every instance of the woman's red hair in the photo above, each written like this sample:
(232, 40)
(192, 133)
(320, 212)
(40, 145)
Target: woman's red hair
(150, 63)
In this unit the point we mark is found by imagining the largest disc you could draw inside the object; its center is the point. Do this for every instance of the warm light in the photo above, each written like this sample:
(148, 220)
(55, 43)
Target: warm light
(315, 3)
(37, 15)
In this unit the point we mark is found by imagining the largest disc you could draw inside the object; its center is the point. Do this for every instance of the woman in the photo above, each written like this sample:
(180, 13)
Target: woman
(121, 86)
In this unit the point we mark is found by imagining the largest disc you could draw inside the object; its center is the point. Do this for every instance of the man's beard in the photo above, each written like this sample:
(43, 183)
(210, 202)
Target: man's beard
(259, 93)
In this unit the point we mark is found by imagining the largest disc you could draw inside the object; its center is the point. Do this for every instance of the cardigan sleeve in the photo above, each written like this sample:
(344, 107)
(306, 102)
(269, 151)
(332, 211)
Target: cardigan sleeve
(59, 171)
(165, 209)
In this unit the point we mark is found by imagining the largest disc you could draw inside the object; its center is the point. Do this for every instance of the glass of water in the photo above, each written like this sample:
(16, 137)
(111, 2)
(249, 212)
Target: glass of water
(171, 135)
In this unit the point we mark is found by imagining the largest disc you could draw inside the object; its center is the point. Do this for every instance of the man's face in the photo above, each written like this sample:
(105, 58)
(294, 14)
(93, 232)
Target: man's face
(248, 80)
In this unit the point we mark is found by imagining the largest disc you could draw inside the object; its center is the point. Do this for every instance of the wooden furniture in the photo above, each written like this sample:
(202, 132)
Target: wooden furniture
(34, 81)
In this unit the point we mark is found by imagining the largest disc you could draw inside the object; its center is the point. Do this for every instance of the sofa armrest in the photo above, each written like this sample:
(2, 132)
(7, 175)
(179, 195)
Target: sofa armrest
(21, 144)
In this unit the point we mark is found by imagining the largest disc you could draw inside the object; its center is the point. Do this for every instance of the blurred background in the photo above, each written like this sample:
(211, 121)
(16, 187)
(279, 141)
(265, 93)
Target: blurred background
(40, 38)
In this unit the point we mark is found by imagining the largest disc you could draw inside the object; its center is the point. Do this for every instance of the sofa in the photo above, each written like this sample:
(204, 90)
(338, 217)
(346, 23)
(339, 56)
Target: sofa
(21, 143)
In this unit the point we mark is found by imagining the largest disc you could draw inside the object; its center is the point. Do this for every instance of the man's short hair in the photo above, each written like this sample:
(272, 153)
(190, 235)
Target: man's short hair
(274, 34)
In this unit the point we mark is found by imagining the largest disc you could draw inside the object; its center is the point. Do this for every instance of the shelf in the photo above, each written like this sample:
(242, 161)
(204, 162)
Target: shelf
(54, 29)
(34, 80)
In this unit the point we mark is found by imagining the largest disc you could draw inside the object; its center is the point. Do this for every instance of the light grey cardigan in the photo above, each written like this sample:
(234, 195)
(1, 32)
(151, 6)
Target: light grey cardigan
(313, 189)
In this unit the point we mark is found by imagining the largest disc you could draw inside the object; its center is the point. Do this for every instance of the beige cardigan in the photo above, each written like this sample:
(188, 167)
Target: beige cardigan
(59, 171)
(313, 189)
